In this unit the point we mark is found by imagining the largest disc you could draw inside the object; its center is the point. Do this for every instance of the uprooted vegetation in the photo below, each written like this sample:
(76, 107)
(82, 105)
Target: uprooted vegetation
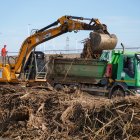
(43, 114)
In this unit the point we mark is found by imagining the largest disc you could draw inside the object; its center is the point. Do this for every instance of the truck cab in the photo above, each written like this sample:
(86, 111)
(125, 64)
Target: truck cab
(125, 72)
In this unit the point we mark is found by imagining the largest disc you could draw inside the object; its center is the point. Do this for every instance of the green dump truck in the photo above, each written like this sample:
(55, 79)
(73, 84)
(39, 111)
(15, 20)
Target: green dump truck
(114, 74)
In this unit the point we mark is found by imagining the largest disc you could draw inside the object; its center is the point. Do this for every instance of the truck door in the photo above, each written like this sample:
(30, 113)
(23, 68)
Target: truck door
(137, 56)
(128, 74)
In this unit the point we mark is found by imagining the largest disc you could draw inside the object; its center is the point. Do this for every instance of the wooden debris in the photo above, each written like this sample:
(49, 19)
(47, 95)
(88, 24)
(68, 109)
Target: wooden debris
(46, 114)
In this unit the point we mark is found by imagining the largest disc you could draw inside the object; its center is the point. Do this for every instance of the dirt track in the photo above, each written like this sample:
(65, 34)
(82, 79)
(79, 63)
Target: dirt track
(45, 114)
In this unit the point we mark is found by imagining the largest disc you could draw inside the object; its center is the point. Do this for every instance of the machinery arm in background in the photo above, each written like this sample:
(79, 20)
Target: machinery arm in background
(61, 26)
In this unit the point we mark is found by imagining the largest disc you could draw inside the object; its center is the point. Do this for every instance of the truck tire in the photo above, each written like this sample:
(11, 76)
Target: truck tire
(117, 92)
(58, 87)
(72, 88)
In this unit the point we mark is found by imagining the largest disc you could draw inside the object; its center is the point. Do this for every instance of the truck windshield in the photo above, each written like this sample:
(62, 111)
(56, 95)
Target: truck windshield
(105, 56)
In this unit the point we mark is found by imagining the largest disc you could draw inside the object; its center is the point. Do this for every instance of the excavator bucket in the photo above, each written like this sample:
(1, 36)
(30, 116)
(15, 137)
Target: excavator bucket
(101, 42)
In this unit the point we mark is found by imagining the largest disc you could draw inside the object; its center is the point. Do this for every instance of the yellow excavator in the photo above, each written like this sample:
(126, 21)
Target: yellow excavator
(24, 66)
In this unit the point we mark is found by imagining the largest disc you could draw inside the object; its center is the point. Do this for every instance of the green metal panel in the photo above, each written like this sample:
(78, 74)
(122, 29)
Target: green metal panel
(114, 62)
(120, 67)
(79, 68)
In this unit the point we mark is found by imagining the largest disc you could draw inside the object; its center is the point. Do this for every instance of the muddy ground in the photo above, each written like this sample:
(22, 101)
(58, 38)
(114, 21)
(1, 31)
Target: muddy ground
(37, 113)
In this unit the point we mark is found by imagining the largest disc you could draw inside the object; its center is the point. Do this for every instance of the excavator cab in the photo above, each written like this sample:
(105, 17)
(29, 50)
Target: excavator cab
(35, 67)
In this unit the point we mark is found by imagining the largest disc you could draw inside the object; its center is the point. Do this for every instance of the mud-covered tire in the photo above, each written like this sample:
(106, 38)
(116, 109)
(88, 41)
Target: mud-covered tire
(73, 88)
(117, 92)
(58, 87)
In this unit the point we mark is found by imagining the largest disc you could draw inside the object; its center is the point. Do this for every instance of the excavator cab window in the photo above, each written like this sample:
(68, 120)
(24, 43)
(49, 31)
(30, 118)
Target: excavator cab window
(35, 65)
(39, 55)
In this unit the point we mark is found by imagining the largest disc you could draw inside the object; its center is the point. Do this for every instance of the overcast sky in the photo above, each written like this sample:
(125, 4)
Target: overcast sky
(121, 16)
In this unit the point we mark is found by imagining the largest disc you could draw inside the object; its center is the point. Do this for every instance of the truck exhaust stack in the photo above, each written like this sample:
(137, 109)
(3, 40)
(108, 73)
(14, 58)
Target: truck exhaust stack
(101, 42)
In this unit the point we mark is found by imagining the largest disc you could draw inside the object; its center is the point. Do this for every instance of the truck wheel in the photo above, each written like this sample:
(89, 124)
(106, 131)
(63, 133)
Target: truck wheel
(72, 88)
(58, 87)
(117, 92)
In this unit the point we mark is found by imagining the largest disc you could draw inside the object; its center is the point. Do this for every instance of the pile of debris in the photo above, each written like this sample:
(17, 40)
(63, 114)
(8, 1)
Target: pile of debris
(88, 52)
(44, 114)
